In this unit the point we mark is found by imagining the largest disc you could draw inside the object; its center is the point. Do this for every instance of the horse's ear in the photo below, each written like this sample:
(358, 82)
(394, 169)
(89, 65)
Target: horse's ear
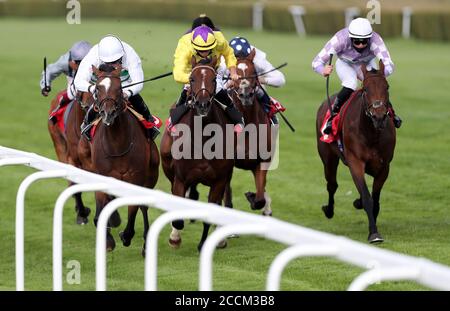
(364, 69)
(193, 61)
(95, 70)
(381, 66)
(117, 70)
(214, 62)
(252, 54)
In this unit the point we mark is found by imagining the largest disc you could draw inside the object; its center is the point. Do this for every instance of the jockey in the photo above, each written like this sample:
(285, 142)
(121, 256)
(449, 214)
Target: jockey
(242, 49)
(203, 42)
(354, 46)
(67, 64)
(111, 50)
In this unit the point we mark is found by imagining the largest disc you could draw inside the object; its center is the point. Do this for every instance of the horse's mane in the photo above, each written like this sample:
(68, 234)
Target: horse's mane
(106, 68)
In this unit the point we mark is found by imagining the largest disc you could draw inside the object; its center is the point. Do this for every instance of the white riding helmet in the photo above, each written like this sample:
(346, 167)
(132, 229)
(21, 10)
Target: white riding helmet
(110, 49)
(360, 28)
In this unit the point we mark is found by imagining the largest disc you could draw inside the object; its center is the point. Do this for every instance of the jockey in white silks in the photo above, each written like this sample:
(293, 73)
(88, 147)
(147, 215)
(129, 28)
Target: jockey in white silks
(112, 51)
(354, 46)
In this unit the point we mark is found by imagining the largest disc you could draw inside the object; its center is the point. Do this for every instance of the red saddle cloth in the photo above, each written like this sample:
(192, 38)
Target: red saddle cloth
(275, 107)
(336, 127)
(146, 124)
(58, 114)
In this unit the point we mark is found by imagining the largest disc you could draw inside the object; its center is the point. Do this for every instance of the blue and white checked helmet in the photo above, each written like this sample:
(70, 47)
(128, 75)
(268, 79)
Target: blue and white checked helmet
(241, 46)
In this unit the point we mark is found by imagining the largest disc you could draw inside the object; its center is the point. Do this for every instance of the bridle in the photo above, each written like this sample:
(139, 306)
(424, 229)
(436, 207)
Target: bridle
(247, 97)
(211, 94)
(370, 105)
(117, 103)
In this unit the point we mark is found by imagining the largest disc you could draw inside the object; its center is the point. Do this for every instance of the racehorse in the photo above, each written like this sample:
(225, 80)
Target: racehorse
(368, 136)
(186, 172)
(244, 96)
(66, 142)
(120, 148)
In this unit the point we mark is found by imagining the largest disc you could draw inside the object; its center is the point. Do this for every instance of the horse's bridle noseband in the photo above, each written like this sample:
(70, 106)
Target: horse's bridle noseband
(366, 102)
(117, 103)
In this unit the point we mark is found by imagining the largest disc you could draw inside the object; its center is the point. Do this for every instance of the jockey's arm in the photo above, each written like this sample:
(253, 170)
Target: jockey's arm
(182, 62)
(84, 73)
(222, 72)
(333, 46)
(135, 70)
(274, 78)
(54, 70)
(381, 52)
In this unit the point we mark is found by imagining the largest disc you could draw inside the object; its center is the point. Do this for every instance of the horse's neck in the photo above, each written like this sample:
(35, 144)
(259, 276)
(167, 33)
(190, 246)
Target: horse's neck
(364, 125)
(121, 130)
(253, 113)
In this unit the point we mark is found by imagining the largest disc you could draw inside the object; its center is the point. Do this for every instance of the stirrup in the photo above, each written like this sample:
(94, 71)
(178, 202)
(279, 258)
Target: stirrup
(85, 130)
(328, 127)
(153, 132)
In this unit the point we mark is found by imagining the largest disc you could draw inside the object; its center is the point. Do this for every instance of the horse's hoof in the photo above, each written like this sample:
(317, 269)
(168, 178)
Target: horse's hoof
(250, 197)
(192, 221)
(83, 219)
(233, 236)
(222, 244)
(125, 242)
(259, 204)
(175, 244)
(110, 244)
(329, 213)
(375, 238)
(357, 204)
(143, 251)
(267, 213)
(114, 221)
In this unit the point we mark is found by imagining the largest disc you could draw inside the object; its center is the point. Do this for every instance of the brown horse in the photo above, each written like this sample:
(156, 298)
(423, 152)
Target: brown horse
(66, 142)
(120, 148)
(368, 137)
(188, 171)
(258, 123)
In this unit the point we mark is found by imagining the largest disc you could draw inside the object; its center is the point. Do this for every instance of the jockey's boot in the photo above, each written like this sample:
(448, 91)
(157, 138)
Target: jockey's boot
(230, 109)
(138, 103)
(265, 101)
(340, 99)
(397, 120)
(86, 126)
(180, 108)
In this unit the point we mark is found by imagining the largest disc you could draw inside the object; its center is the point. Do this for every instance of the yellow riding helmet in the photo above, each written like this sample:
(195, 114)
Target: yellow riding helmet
(203, 38)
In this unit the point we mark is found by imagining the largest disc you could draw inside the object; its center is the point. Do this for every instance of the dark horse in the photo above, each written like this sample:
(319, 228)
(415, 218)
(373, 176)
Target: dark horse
(260, 129)
(368, 137)
(120, 148)
(66, 143)
(185, 172)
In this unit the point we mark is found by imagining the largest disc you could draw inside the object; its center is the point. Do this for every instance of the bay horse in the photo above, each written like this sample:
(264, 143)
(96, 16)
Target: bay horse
(368, 136)
(120, 148)
(245, 99)
(66, 142)
(187, 172)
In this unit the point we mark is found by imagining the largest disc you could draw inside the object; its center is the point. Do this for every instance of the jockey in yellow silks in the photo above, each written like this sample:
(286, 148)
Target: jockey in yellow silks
(202, 42)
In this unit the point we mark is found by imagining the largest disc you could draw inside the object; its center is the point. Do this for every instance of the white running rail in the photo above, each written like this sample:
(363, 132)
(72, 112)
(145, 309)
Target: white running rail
(302, 241)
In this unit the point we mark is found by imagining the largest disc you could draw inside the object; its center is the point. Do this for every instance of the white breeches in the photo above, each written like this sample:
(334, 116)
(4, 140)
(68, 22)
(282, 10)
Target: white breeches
(349, 74)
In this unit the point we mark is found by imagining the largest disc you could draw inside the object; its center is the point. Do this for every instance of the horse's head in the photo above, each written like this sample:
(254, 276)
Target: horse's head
(376, 96)
(108, 89)
(248, 80)
(203, 84)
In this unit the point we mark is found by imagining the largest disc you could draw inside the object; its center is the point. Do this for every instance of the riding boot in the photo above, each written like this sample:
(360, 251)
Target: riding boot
(138, 103)
(265, 101)
(340, 99)
(233, 113)
(180, 108)
(85, 127)
(397, 120)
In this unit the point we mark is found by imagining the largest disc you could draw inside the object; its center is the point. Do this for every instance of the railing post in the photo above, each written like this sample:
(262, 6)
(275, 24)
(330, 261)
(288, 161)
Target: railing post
(297, 14)
(258, 13)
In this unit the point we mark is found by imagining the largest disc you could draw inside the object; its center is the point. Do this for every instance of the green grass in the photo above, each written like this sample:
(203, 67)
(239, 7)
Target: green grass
(414, 217)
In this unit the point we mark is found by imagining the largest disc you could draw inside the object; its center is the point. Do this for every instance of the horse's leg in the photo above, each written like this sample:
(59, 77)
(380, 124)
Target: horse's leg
(378, 183)
(128, 233)
(228, 196)
(330, 168)
(144, 210)
(257, 200)
(179, 189)
(59, 142)
(101, 199)
(357, 169)
(192, 194)
(81, 210)
(216, 193)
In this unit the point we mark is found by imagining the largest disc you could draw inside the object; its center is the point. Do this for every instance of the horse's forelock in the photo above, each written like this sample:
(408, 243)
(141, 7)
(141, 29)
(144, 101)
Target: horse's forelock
(204, 61)
(107, 68)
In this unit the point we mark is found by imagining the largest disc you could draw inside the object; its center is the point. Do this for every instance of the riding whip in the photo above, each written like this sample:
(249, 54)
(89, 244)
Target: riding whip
(151, 79)
(45, 73)
(328, 82)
